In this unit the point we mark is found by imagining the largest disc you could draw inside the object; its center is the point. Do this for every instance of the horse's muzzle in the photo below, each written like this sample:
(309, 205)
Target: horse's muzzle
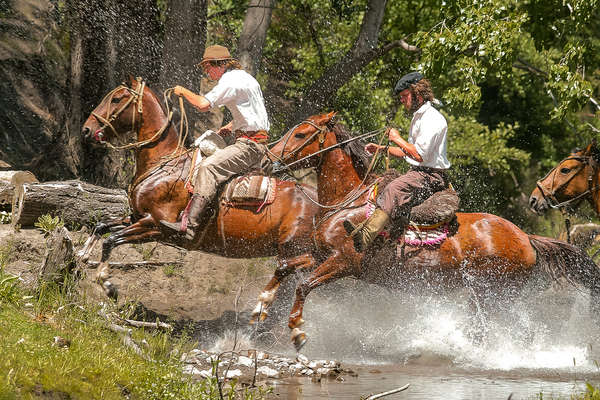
(538, 205)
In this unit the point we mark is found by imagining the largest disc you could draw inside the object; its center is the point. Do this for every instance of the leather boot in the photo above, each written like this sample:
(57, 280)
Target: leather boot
(365, 233)
(197, 205)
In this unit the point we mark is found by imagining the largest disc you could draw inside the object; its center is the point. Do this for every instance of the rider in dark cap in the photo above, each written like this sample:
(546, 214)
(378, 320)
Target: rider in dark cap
(425, 151)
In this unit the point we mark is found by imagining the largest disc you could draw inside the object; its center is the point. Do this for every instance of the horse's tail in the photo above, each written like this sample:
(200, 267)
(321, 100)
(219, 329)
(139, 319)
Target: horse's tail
(559, 259)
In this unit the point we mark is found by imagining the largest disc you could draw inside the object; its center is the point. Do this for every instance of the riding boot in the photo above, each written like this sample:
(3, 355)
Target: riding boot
(366, 232)
(197, 205)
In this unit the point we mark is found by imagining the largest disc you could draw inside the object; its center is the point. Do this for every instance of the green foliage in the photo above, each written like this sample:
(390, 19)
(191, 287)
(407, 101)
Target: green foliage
(96, 364)
(46, 223)
(170, 270)
(9, 293)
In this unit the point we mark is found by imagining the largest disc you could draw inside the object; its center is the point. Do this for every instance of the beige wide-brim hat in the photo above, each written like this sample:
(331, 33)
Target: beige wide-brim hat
(215, 53)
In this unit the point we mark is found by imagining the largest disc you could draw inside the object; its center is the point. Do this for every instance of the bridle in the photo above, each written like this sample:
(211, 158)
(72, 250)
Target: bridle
(320, 134)
(550, 194)
(136, 97)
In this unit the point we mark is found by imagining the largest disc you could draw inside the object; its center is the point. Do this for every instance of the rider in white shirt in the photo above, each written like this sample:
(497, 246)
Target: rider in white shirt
(241, 94)
(425, 150)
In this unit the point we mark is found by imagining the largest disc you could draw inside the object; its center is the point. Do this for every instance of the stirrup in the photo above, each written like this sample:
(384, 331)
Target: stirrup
(351, 229)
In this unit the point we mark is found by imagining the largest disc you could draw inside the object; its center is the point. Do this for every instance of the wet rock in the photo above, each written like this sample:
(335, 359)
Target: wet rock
(270, 372)
(199, 364)
(245, 361)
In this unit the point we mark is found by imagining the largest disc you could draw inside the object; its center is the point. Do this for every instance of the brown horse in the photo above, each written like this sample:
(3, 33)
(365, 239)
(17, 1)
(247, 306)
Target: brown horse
(483, 253)
(573, 180)
(281, 228)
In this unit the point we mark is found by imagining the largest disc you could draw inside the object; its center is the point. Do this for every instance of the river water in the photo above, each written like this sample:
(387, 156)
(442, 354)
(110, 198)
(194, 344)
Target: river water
(545, 342)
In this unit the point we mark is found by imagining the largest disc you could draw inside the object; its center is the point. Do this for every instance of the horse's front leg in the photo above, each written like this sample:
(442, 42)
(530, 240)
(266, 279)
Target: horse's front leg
(333, 268)
(100, 229)
(144, 230)
(285, 267)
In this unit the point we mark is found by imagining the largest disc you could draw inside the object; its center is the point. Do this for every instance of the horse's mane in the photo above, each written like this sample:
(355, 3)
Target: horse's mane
(356, 149)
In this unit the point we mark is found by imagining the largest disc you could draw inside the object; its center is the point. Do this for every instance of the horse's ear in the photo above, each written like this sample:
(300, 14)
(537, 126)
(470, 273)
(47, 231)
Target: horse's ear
(132, 80)
(330, 118)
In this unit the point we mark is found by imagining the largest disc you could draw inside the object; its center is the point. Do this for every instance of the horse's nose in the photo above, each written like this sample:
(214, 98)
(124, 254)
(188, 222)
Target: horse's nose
(535, 205)
(85, 131)
(532, 202)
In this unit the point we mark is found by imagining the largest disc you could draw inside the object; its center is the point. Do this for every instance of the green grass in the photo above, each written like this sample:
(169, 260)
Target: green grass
(591, 393)
(96, 365)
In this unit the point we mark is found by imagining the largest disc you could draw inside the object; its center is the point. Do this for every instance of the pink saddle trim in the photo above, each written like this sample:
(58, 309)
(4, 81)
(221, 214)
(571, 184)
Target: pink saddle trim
(370, 207)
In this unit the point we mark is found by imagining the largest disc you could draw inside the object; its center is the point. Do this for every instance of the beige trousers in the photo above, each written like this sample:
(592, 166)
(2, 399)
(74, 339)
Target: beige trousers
(236, 159)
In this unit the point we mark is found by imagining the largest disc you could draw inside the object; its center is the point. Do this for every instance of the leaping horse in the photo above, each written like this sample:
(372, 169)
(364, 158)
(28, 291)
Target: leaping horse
(482, 252)
(281, 228)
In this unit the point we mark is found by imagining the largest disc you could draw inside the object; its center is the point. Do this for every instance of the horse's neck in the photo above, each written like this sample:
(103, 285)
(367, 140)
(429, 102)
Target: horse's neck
(337, 177)
(150, 155)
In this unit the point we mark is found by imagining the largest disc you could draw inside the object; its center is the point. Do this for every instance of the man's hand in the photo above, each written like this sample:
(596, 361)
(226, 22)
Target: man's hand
(393, 134)
(224, 130)
(371, 148)
(178, 90)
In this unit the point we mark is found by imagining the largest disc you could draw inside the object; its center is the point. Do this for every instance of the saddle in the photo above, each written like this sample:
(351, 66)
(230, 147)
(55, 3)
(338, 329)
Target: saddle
(428, 222)
(251, 189)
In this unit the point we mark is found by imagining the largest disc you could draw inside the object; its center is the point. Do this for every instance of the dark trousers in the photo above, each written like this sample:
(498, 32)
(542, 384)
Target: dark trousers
(411, 189)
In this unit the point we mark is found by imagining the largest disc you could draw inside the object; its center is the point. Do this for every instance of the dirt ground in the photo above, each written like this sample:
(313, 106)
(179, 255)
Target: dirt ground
(198, 288)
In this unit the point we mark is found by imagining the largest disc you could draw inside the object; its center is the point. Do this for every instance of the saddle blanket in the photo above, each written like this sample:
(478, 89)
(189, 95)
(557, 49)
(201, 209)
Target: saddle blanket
(415, 235)
(250, 190)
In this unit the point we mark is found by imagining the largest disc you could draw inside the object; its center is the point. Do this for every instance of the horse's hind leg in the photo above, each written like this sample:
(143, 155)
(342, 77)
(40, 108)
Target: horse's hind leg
(333, 268)
(268, 294)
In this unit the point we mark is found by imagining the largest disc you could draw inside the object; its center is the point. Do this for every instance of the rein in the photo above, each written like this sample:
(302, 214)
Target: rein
(354, 194)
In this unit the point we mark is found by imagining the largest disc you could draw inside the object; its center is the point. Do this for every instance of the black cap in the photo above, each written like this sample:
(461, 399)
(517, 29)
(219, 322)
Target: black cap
(407, 80)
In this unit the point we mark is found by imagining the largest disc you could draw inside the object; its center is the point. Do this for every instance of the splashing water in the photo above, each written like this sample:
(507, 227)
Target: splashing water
(364, 324)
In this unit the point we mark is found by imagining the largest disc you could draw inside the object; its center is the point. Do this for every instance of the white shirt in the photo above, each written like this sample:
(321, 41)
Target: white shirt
(428, 132)
(240, 93)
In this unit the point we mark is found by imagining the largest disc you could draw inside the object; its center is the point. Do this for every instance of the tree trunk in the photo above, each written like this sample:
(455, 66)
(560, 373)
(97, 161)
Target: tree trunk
(77, 203)
(58, 260)
(365, 49)
(185, 37)
(32, 82)
(254, 32)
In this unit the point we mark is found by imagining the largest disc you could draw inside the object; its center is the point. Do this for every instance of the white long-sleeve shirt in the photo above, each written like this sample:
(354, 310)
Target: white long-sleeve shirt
(240, 93)
(428, 132)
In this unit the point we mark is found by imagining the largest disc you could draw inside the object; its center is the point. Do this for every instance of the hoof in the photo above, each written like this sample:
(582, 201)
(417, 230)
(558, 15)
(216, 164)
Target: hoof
(103, 273)
(298, 338)
(110, 290)
(258, 317)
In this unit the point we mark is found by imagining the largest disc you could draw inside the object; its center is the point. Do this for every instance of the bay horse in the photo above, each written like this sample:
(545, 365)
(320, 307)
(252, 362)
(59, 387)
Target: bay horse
(157, 192)
(573, 180)
(483, 253)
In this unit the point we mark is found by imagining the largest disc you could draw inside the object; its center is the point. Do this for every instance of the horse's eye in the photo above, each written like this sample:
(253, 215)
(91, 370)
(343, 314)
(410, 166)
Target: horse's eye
(565, 170)
(300, 135)
(115, 100)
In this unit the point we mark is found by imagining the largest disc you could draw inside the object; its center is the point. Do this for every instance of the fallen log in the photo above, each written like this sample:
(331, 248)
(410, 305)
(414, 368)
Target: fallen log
(77, 203)
(9, 180)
